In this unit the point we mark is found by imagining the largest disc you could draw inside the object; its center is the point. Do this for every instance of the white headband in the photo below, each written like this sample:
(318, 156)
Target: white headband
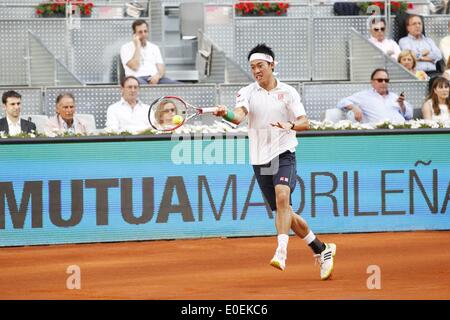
(261, 56)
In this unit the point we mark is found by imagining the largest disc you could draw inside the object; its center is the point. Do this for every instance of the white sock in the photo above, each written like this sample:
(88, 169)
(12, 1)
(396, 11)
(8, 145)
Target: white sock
(283, 240)
(310, 237)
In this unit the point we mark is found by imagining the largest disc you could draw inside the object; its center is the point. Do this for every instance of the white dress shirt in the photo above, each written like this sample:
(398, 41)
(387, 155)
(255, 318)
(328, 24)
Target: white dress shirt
(14, 128)
(387, 45)
(418, 45)
(150, 56)
(122, 117)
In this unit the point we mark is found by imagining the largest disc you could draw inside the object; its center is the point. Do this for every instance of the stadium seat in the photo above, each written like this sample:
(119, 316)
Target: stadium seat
(334, 115)
(38, 119)
(89, 121)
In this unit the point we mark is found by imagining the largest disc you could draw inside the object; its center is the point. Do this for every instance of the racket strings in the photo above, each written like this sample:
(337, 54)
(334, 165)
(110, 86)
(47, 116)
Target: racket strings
(167, 113)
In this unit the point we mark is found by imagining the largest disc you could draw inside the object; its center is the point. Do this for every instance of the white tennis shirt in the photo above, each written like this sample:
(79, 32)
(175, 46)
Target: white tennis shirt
(283, 104)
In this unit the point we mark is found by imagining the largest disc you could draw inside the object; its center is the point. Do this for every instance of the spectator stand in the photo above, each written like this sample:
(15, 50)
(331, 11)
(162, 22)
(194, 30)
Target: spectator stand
(95, 100)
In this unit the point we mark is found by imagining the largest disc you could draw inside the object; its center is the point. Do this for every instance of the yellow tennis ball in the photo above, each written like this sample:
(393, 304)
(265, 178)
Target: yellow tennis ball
(177, 119)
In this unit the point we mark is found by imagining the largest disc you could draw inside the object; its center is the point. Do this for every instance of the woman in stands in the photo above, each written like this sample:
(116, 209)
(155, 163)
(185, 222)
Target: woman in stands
(407, 59)
(437, 106)
(165, 112)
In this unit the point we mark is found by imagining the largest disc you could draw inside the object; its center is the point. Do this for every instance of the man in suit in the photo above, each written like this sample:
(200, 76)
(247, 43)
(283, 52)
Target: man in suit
(12, 124)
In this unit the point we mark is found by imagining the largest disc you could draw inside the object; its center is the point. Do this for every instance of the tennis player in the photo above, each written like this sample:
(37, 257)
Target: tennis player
(275, 113)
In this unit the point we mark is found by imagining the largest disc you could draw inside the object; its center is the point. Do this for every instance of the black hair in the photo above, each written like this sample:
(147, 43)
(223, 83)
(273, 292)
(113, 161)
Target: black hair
(261, 48)
(10, 94)
(138, 23)
(377, 70)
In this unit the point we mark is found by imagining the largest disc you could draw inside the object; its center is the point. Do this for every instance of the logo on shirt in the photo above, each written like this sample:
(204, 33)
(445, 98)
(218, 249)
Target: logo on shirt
(281, 96)
(285, 179)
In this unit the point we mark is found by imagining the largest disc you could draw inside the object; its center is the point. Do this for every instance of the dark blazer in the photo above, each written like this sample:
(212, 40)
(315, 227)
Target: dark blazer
(25, 125)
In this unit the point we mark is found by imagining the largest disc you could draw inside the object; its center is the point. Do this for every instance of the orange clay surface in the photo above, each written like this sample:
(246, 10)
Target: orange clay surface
(413, 265)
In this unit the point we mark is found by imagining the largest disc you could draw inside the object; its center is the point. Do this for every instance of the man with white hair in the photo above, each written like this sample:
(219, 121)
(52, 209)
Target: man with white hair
(377, 30)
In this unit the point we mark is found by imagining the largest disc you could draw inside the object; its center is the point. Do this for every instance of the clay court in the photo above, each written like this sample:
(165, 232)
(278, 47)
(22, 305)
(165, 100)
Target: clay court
(414, 265)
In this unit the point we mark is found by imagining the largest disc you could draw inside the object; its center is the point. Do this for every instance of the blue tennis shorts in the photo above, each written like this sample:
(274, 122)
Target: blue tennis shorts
(281, 170)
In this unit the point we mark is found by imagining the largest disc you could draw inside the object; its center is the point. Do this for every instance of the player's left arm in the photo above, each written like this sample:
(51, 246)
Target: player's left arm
(301, 123)
(295, 105)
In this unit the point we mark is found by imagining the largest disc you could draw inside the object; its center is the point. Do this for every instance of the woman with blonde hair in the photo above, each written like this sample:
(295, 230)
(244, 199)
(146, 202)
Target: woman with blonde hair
(407, 59)
(437, 106)
(165, 112)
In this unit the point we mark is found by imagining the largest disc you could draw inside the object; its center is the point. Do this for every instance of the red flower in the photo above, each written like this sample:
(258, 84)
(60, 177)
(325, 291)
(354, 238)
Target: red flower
(410, 6)
(261, 12)
(379, 4)
(39, 12)
(54, 7)
(395, 4)
(278, 12)
(267, 5)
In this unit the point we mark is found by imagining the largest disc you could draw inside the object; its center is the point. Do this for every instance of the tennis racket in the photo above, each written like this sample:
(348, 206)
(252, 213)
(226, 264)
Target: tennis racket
(168, 113)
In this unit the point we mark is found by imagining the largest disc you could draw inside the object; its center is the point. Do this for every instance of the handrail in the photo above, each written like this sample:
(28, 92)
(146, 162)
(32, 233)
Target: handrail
(54, 62)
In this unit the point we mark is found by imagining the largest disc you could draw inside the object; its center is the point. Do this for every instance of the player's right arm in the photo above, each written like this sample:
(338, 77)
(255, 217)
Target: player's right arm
(235, 116)
(134, 62)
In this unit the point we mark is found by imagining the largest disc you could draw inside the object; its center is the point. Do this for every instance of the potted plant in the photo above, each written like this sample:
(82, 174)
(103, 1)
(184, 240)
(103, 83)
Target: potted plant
(397, 7)
(57, 8)
(245, 8)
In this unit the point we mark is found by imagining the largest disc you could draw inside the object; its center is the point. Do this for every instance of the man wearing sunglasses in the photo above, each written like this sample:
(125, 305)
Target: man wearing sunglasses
(378, 37)
(378, 103)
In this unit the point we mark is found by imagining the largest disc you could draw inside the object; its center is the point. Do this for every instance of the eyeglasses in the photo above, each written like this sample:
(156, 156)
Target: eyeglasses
(169, 110)
(379, 29)
(381, 80)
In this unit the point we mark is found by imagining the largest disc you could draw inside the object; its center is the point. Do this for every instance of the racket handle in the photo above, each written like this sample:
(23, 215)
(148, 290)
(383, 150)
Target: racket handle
(209, 110)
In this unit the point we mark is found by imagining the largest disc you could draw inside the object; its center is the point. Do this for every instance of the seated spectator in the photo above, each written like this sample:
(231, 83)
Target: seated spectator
(407, 59)
(65, 120)
(444, 45)
(378, 37)
(12, 124)
(437, 106)
(142, 59)
(424, 48)
(129, 114)
(377, 104)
